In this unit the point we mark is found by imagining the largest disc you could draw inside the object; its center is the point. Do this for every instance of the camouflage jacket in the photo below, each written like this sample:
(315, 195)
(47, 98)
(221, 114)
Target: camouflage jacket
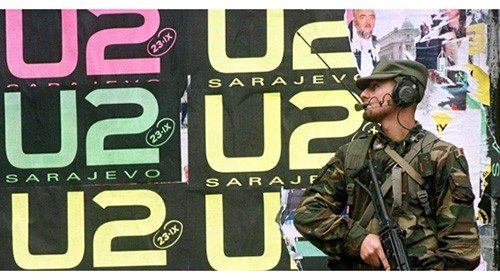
(445, 240)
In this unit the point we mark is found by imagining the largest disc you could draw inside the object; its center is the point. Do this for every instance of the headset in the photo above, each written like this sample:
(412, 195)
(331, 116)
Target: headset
(407, 91)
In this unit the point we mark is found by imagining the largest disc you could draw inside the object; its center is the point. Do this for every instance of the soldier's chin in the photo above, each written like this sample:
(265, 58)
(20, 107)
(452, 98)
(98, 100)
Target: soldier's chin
(370, 117)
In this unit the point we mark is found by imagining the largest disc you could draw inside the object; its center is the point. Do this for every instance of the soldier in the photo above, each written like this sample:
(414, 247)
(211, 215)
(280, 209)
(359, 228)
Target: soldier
(433, 206)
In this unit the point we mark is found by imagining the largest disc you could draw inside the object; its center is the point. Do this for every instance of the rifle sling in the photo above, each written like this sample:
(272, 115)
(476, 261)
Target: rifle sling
(386, 186)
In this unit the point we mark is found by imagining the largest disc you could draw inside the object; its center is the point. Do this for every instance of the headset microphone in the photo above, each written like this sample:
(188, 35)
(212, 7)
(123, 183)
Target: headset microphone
(358, 106)
(361, 106)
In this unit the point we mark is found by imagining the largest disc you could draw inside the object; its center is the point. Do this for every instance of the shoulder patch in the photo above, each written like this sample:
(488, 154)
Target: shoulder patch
(459, 152)
(460, 157)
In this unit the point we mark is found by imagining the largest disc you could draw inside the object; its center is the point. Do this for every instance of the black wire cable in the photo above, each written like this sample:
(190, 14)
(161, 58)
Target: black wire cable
(399, 122)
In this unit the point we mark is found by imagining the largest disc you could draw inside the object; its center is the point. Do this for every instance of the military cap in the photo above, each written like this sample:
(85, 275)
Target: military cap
(389, 68)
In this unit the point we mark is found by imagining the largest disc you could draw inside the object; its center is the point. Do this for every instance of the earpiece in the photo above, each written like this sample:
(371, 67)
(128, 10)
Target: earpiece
(406, 92)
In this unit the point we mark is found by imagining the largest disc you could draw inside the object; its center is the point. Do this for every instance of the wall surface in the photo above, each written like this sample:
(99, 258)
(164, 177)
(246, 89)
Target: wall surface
(180, 139)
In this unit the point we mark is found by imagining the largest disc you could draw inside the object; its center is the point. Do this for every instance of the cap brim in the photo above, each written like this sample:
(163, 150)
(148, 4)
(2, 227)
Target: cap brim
(363, 83)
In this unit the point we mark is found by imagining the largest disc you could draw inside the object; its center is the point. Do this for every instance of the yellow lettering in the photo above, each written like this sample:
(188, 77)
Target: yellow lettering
(257, 80)
(279, 80)
(234, 181)
(217, 45)
(303, 58)
(300, 81)
(215, 237)
(298, 180)
(20, 235)
(214, 83)
(236, 82)
(341, 78)
(300, 158)
(318, 79)
(212, 182)
(103, 255)
(313, 177)
(215, 143)
(277, 180)
(256, 180)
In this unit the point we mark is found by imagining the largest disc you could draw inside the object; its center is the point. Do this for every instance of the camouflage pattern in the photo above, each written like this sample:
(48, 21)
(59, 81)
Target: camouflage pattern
(445, 240)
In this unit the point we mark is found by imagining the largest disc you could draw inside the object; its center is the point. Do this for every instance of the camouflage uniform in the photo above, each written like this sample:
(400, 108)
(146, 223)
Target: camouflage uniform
(445, 240)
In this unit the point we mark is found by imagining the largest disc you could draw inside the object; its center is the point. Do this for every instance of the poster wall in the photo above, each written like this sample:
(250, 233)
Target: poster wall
(180, 139)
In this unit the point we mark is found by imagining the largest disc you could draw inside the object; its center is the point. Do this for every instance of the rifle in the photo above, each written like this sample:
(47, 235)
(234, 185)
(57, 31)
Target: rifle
(391, 236)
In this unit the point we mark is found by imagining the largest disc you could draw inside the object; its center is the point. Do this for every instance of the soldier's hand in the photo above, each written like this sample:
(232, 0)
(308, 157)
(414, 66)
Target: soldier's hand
(372, 253)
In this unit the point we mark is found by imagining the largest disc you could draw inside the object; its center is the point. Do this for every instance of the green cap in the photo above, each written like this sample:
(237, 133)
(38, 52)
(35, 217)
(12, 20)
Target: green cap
(389, 68)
